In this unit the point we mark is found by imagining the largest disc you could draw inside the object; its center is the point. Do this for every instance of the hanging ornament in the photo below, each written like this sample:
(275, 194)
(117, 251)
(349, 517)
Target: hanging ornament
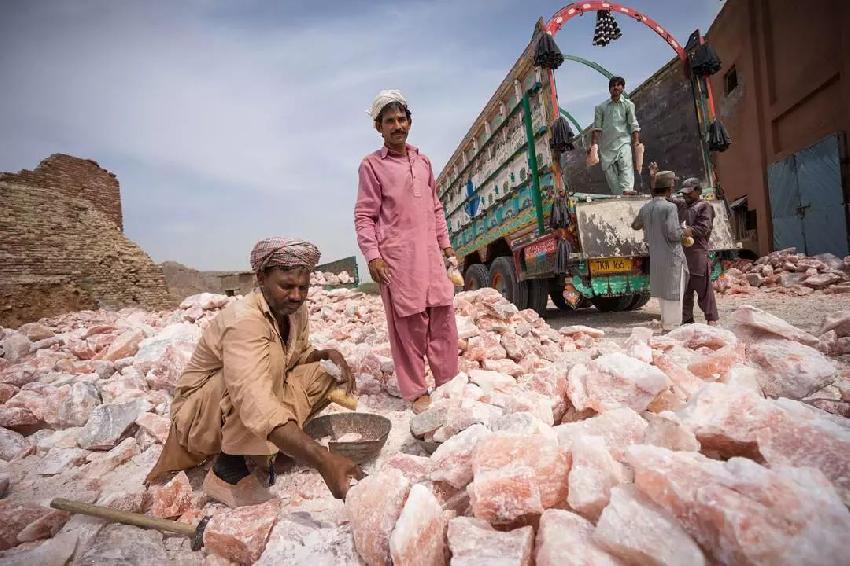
(606, 29)
(546, 53)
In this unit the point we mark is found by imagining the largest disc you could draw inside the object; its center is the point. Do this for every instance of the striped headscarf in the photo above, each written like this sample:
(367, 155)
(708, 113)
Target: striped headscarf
(286, 253)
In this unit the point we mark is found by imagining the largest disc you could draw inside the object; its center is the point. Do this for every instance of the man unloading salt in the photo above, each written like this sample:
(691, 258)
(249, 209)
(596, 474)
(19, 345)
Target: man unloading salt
(615, 131)
(401, 230)
(659, 220)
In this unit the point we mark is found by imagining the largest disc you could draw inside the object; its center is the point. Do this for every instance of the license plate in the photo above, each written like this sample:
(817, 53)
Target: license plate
(610, 265)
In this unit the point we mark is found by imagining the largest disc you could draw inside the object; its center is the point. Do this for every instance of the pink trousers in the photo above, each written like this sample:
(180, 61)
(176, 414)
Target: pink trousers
(431, 334)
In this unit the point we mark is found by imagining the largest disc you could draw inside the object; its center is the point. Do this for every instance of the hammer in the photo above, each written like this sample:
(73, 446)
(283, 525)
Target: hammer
(137, 519)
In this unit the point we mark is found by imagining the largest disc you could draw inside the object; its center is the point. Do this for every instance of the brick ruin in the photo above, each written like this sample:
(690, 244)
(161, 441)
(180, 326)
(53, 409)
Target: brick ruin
(62, 246)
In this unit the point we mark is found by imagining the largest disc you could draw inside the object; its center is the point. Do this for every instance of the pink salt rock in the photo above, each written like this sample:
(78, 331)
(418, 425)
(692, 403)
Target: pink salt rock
(165, 372)
(743, 513)
(15, 517)
(473, 542)
(16, 346)
(240, 534)
(667, 430)
(620, 428)
(637, 346)
(747, 377)
(636, 530)
(17, 418)
(839, 322)
(566, 539)
(492, 381)
(751, 322)
(206, 301)
(172, 499)
(615, 380)
(452, 461)
(525, 401)
(698, 335)
(592, 476)
(716, 364)
(7, 392)
(123, 346)
(466, 329)
(467, 413)
(579, 329)
(414, 468)
(44, 527)
(508, 367)
(453, 389)
(13, 444)
(373, 506)
(524, 423)
(790, 369)
(156, 425)
(82, 349)
(515, 477)
(419, 536)
(485, 346)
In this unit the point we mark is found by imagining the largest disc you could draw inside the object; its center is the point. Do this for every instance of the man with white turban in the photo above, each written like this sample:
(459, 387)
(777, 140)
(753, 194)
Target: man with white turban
(401, 230)
(252, 383)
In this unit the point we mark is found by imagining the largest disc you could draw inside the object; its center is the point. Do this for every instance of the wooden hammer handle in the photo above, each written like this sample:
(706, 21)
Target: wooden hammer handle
(125, 517)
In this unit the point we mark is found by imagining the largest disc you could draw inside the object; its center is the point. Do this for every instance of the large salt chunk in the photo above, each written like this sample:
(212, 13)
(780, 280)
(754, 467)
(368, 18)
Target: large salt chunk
(12, 444)
(743, 513)
(790, 369)
(620, 428)
(592, 476)
(172, 499)
(77, 408)
(240, 534)
(750, 322)
(473, 542)
(524, 423)
(108, 422)
(492, 381)
(667, 430)
(566, 539)
(126, 545)
(15, 517)
(615, 380)
(126, 345)
(698, 335)
(715, 365)
(415, 468)
(839, 322)
(515, 477)
(374, 505)
(420, 532)
(15, 347)
(452, 461)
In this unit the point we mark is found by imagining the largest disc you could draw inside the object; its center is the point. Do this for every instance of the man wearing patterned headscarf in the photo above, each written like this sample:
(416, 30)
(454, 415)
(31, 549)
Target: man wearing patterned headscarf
(401, 230)
(252, 383)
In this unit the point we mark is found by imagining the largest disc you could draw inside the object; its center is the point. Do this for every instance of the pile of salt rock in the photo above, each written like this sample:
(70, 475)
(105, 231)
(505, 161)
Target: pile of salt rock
(327, 278)
(786, 272)
(704, 445)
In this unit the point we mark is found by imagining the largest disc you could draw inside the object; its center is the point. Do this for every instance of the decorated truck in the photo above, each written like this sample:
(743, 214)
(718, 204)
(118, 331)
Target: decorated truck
(516, 221)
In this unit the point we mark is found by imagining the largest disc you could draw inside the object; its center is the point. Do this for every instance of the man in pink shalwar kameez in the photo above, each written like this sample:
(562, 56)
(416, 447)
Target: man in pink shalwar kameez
(401, 230)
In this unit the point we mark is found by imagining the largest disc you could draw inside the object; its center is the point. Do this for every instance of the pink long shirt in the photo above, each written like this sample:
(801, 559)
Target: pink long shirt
(399, 218)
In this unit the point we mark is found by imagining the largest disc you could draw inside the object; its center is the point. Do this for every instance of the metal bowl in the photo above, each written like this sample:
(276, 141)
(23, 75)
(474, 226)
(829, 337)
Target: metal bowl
(374, 430)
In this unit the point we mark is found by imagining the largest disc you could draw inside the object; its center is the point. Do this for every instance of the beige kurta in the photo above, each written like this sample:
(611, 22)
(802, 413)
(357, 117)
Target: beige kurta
(242, 382)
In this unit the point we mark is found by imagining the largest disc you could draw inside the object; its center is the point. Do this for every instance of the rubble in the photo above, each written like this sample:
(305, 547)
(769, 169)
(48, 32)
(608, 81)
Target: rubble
(784, 271)
(540, 428)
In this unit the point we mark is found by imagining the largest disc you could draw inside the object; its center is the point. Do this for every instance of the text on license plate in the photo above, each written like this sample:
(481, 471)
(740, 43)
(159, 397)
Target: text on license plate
(610, 265)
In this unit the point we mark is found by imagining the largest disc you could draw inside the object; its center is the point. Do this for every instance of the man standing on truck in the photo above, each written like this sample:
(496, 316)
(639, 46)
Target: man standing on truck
(659, 220)
(615, 131)
(699, 217)
(401, 230)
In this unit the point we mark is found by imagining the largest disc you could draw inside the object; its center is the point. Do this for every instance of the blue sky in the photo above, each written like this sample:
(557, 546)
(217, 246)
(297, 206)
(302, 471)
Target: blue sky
(226, 122)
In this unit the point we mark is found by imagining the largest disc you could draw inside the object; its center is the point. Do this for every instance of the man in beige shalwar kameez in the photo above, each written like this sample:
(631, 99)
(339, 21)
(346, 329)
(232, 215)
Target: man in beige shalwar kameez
(252, 383)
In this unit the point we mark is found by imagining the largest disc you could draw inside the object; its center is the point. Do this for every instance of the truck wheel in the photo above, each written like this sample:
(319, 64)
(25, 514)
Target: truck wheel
(638, 301)
(476, 277)
(538, 295)
(503, 278)
(612, 304)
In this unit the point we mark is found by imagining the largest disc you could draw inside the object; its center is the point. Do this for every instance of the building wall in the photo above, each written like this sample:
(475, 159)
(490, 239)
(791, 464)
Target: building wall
(75, 177)
(61, 253)
(792, 61)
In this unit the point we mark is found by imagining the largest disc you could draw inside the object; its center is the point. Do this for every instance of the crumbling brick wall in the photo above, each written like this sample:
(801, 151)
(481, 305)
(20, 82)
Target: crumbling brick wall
(60, 253)
(74, 177)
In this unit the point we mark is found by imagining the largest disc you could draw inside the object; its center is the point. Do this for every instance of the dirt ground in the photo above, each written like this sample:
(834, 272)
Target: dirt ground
(806, 313)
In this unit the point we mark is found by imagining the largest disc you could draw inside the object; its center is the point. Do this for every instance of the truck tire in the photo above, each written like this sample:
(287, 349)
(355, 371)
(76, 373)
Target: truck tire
(476, 277)
(503, 278)
(538, 295)
(556, 292)
(638, 301)
(612, 304)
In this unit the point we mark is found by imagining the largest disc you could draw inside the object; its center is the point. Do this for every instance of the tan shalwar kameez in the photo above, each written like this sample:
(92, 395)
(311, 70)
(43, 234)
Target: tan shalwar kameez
(242, 382)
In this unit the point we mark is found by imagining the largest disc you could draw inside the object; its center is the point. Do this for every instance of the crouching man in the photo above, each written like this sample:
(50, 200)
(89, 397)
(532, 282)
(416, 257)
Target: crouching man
(252, 383)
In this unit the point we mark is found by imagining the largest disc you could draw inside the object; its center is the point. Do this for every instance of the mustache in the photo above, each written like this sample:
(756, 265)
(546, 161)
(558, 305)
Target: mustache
(402, 131)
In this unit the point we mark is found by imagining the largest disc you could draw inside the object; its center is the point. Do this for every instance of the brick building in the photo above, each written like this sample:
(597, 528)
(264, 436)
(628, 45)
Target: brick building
(784, 96)
(62, 247)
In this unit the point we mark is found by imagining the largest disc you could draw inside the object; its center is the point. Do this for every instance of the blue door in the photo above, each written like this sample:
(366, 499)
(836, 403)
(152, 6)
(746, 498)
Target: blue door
(807, 200)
